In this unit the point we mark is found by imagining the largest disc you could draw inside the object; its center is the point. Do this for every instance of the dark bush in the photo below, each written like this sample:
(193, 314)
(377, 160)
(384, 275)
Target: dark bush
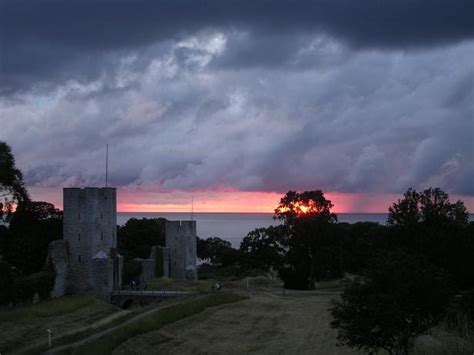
(40, 282)
(131, 271)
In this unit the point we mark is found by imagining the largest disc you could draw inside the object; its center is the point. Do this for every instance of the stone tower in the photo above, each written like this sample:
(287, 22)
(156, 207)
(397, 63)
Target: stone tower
(90, 229)
(181, 242)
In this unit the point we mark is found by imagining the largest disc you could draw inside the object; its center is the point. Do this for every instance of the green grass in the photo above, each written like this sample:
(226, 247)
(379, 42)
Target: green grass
(107, 343)
(184, 285)
(71, 338)
(50, 308)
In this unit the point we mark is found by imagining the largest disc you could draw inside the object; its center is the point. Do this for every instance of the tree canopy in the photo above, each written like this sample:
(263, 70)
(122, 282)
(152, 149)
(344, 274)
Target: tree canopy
(137, 236)
(430, 207)
(400, 297)
(32, 227)
(12, 188)
(296, 206)
(218, 251)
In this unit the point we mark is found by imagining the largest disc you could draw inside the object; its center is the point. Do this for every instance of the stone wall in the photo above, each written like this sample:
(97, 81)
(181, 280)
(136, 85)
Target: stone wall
(148, 271)
(181, 241)
(102, 269)
(149, 266)
(90, 227)
(58, 257)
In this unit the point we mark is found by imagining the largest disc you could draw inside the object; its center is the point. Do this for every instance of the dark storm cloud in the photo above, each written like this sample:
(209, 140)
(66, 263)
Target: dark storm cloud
(370, 97)
(49, 41)
(377, 122)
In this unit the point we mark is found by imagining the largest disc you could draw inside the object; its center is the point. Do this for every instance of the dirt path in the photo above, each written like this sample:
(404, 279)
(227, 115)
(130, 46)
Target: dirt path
(266, 323)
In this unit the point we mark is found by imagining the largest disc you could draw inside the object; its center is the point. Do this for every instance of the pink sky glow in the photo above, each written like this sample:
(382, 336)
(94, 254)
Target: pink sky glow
(228, 200)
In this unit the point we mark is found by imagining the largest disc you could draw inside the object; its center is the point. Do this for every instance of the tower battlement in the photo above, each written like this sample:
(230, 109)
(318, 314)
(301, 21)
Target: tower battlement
(90, 228)
(181, 241)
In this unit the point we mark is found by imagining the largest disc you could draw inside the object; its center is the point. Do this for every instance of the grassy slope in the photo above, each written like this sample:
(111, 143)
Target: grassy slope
(107, 343)
(269, 323)
(26, 326)
(265, 323)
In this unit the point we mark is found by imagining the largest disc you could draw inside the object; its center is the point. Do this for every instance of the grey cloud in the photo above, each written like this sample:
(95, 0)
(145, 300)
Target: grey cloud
(377, 121)
(50, 41)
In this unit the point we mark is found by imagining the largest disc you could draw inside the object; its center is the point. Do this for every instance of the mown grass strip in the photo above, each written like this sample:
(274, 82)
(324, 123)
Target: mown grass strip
(50, 308)
(108, 342)
(42, 346)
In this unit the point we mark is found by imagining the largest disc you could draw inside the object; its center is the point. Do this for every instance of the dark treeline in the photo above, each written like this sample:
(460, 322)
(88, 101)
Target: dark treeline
(406, 276)
(134, 242)
(24, 238)
(310, 245)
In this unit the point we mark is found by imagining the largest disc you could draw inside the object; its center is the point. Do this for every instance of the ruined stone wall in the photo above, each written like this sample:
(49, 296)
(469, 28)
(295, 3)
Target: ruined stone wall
(165, 254)
(149, 266)
(102, 270)
(89, 226)
(181, 241)
(58, 257)
(148, 271)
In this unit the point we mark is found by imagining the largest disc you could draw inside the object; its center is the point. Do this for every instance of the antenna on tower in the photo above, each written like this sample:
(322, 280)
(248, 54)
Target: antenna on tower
(107, 166)
(192, 208)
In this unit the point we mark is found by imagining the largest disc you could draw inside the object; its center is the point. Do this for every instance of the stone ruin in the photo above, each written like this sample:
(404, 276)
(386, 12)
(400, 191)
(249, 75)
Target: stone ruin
(86, 259)
(181, 243)
(178, 260)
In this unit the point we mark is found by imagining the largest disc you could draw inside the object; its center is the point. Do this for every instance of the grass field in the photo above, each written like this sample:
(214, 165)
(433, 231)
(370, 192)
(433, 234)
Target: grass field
(265, 323)
(27, 326)
(267, 320)
(174, 312)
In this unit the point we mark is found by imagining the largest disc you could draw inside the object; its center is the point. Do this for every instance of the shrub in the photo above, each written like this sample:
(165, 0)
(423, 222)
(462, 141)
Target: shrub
(131, 270)
(40, 282)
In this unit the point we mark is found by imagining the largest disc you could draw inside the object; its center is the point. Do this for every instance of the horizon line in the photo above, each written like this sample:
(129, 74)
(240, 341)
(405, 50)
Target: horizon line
(239, 212)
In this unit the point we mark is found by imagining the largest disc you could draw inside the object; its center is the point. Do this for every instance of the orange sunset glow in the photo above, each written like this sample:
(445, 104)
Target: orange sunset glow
(247, 202)
(232, 201)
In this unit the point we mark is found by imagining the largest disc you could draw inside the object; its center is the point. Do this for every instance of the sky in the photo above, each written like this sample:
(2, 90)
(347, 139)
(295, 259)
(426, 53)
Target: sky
(233, 103)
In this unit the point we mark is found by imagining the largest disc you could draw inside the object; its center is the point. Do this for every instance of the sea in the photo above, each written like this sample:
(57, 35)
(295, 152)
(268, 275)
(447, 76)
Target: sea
(233, 227)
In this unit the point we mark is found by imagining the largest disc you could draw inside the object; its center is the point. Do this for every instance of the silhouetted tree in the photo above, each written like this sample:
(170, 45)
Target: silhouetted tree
(400, 297)
(32, 227)
(137, 236)
(309, 257)
(12, 189)
(264, 248)
(430, 207)
(427, 223)
(218, 251)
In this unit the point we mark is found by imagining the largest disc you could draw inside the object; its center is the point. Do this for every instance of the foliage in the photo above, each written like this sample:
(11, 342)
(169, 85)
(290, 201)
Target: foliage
(264, 248)
(430, 207)
(219, 252)
(32, 227)
(131, 271)
(358, 243)
(297, 206)
(110, 341)
(6, 282)
(137, 236)
(428, 223)
(22, 288)
(309, 254)
(12, 189)
(212, 272)
(400, 297)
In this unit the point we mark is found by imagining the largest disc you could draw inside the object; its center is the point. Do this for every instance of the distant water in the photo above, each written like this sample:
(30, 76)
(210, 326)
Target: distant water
(235, 226)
